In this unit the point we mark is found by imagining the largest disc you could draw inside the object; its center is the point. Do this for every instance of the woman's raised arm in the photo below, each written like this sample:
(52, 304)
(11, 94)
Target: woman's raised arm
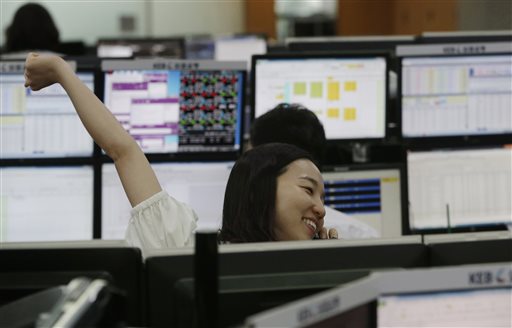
(137, 176)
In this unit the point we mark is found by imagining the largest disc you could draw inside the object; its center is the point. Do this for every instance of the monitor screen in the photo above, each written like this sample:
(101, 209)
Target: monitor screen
(201, 185)
(466, 308)
(456, 95)
(178, 106)
(371, 195)
(40, 123)
(46, 203)
(127, 48)
(462, 296)
(239, 48)
(459, 188)
(348, 94)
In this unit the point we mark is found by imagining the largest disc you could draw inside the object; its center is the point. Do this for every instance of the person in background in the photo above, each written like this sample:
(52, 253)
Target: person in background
(274, 193)
(292, 124)
(32, 28)
(295, 124)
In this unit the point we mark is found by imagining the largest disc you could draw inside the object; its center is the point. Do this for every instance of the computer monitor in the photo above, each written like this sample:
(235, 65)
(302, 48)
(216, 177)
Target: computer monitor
(200, 47)
(372, 194)
(244, 295)
(165, 268)
(138, 48)
(178, 107)
(463, 296)
(347, 93)
(239, 48)
(458, 92)
(459, 189)
(40, 123)
(465, 36)
(349, 305)
(349, 43)
(46, 203)
(469, 248)
(32, 267)
(199, 184)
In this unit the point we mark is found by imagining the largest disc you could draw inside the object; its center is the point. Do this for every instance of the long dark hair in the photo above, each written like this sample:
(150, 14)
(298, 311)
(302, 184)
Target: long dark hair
(250, 198)
(32, 28)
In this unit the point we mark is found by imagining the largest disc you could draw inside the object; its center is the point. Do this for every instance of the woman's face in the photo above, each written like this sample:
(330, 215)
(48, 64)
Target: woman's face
(299, 202)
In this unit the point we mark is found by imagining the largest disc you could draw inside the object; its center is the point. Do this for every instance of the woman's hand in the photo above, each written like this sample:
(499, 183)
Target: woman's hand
(325, 233)
(43, 70)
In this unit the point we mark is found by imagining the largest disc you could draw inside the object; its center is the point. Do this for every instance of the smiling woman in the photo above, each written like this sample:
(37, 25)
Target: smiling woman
(274, 192)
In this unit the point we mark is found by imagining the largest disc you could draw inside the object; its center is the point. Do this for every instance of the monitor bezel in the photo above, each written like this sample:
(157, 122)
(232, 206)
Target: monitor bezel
(404, 220)
(48, 163)
(175, 64)
(249, 258)
(39, 265)
(105, 160)
(447, 230)
(449, 50)
(465, 36)
(386, 55)
(17, 66)
(180, 41)
(350, 43)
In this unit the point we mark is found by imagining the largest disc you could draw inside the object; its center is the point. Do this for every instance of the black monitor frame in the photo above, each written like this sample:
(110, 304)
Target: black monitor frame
(92, 67)
(361, 44)
(465, 36)
(401, 167)
(386, 55)
(179, 41)
(191, 65)
(201, 41)
(343, 44)
(259, 292)
(81, 64)
(164, 271)
(447, 230)
(30, 267)
(449, 50)
(459, 251)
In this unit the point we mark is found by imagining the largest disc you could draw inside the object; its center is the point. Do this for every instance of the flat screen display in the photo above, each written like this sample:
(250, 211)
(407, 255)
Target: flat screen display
(372, 196)
(456, 96)
(46, 203)
(200, 185)
(459, 188)
(40, 123)
(239, 48)
(190, 108)
(136, 48)
(465, 308)
(347, 94)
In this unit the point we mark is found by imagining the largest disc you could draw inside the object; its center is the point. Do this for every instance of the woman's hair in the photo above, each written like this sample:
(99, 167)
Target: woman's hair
(292, 124)
(250, 199)
(32, 28)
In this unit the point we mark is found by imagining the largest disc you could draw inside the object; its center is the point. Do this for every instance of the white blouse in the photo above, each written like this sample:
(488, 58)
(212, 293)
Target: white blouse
(161, 222)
